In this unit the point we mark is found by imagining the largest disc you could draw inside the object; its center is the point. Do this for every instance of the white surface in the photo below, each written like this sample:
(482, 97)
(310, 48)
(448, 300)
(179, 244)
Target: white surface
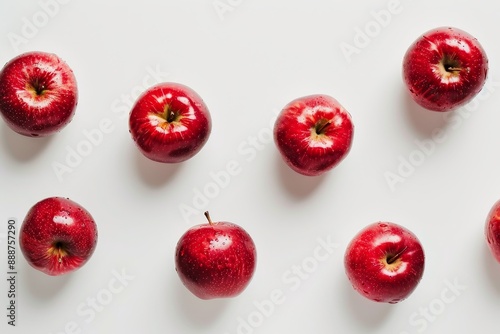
(246, 67)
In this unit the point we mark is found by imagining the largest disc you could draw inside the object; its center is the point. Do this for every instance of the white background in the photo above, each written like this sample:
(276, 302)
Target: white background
(247, 63)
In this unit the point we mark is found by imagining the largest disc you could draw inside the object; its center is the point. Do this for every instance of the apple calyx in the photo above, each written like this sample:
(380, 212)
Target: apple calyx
(167, 117)
(449, 67)
(208, 218)
(58, 249)
(392, 261)
(38, 86)
(321, 126)
(171, 116)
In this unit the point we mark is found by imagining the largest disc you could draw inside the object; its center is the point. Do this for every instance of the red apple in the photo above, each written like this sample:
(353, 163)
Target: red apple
(444, 69)
(57, 236)
(384, 262)
(215, 260)
(170, 123)
(492, 230)
(38, 94)
(313, 134)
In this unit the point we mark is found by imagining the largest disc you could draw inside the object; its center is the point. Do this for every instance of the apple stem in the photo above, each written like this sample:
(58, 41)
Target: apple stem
(394, 257)
(170, 115)
(453, 69)
(322, 125)
(38, 87)
(208, 217)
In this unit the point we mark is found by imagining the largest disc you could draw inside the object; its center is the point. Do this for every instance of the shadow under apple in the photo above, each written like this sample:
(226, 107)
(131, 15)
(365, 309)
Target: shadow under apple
(199, 312)
(23, 148)
(365, 312)
(297, 185)
(40, 285)
(492, 267)
(154, 174)
(425, 122)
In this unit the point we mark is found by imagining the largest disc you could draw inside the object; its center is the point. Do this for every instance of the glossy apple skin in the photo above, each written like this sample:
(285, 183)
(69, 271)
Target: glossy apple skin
(215, 260)
(164, 140)
(57, 236)
(492, 230)
(38, 94)
(428, 69)
(305, 149)
(366, 262)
